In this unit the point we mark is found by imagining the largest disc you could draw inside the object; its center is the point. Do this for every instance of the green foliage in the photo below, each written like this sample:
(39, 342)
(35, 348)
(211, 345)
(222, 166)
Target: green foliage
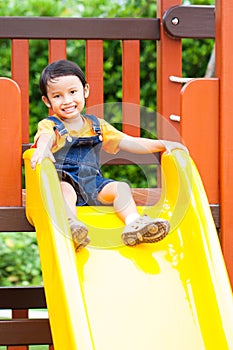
(141, 176)
(199, 2)
(19, 259)
(196, 54)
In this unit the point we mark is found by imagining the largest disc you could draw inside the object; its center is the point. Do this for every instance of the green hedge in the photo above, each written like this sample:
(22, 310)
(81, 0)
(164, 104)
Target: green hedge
(19, 259)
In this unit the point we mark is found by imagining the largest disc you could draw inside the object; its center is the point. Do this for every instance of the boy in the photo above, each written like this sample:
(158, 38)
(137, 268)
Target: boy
(73, 141)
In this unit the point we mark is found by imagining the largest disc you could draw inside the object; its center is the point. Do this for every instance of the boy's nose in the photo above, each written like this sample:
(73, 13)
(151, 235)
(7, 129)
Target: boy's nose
(67, 99)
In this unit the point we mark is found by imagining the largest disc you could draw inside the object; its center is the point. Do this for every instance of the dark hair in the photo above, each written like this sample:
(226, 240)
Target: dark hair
(58, 69)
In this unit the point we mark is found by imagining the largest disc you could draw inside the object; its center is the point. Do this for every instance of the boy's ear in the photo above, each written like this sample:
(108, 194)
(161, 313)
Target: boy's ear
(86, 90)
(46, 101)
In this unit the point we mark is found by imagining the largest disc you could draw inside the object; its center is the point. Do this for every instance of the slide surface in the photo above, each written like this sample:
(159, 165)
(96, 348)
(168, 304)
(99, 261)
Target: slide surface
(171, 295)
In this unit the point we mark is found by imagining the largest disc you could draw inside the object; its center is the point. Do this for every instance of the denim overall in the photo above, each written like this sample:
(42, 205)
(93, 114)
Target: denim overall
(78, 162)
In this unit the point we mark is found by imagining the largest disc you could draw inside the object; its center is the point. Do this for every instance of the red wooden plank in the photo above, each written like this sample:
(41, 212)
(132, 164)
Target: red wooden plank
(200, 130)
(13, 218)
(19, 314)
(57, 50)
(94, 76)
(194, 21)
(25, 332)
(19, 298)
(169, 62)
(131, 87)
(224, 70)
(10, 144)
(20, 73)
(79, 28)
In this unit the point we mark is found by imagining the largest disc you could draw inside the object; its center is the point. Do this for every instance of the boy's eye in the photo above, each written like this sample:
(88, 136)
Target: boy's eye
(56, 96)
(73, 91)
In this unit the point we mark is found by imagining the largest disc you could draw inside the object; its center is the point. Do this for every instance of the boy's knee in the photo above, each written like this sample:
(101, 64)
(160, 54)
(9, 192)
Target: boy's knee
(67, 189)
(123, 187)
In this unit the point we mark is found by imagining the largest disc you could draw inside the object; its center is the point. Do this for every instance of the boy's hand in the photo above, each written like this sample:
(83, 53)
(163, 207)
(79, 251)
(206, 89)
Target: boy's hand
(171, 145)
(39, 155)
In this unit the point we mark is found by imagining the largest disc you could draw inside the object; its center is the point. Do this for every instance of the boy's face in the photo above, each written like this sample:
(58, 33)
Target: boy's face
(66, 96)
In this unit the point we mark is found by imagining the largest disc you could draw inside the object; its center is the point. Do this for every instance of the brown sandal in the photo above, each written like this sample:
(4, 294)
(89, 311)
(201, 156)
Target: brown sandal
(79, 233)
(145, 230)
(82, 245)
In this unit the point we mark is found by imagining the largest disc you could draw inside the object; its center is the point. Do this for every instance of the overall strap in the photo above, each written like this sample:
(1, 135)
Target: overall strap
(95, 124)
(61, 129)
(59, 126)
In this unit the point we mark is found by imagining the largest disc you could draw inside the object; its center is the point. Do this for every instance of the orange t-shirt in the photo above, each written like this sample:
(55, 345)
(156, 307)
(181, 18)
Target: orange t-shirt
(111, 136)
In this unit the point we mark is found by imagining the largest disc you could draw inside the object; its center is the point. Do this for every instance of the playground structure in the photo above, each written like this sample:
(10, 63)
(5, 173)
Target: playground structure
(207, 136)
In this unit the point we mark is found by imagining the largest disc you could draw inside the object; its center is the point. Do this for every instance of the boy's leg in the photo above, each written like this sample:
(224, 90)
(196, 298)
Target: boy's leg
(139, 229)
(78, 229)
(119, 194)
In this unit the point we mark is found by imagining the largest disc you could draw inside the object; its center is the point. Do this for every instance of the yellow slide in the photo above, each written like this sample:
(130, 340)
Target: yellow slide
(171, 295)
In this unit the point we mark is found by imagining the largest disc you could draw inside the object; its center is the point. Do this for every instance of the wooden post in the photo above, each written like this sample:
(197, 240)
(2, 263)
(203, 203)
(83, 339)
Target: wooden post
(19, 314)
(224, 70)
(10, 144)
(57, 50)
(94, 76)
(169, 62)
(131, 87)
(20, 74)
(200, 130)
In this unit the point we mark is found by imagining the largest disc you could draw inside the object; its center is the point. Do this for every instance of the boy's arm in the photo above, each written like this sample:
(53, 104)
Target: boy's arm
(43, 149)
(141, 145)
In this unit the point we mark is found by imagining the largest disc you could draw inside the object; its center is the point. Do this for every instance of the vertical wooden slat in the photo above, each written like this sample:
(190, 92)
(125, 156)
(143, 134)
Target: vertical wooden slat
(57, 50)
(94, 76)
(169, 62)
(19, 314)
(224, 70)
(20, 73)
(10, 143)
(131, 87)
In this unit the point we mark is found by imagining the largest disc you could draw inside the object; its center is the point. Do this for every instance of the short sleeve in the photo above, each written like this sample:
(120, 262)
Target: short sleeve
(45, 126)
(111, 137)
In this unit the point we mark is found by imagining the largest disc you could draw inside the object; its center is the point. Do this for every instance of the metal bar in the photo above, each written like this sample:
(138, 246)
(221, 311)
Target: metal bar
(179, 80)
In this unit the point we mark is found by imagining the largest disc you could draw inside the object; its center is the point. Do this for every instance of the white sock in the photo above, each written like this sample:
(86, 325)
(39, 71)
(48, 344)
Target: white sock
(131, 217)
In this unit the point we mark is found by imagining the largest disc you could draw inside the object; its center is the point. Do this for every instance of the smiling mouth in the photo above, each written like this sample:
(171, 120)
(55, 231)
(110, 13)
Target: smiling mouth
(69, 109)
